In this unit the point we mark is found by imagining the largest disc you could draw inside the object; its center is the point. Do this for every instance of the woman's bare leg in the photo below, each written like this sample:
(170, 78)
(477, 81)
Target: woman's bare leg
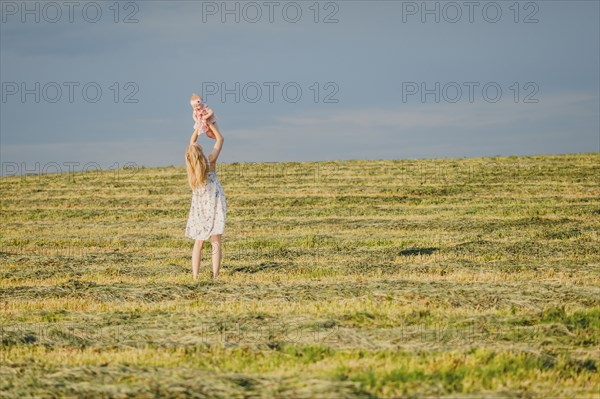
(216, 253)
(196, 256)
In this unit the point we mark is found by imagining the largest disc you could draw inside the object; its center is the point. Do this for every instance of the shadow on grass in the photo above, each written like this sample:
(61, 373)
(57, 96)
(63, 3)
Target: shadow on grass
(418, 251)
(255, 268)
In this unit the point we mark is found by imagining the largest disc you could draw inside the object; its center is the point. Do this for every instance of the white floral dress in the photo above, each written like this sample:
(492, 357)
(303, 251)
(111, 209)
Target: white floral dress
(208, 210)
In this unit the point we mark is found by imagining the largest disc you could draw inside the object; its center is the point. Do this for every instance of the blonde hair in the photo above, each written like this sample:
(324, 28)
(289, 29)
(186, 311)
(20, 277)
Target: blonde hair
(195, 97)
(197, 166)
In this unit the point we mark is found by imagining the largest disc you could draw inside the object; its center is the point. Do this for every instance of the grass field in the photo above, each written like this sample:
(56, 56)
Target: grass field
(353, 279)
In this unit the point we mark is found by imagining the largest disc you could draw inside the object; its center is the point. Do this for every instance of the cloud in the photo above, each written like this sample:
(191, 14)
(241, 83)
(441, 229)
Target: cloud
(92, 155)
(64, 40)
(559, 123)
(457, 115)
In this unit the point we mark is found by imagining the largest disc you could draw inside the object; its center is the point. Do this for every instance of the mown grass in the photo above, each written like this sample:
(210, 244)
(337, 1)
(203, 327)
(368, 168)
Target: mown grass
(360, 279)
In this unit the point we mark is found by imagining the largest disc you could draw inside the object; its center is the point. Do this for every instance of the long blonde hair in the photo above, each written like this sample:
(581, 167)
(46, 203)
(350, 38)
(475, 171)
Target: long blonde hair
(197, 166)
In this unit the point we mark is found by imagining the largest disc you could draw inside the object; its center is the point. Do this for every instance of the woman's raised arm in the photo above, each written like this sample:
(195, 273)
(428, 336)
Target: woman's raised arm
(219, 144)
(194, 137)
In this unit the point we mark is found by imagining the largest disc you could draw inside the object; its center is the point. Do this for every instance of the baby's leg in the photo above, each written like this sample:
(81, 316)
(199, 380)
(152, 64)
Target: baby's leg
(210, 133)
(212, 126)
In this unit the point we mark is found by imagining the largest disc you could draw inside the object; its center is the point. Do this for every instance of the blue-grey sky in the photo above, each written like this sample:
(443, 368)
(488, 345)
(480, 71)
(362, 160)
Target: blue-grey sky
(369, 73)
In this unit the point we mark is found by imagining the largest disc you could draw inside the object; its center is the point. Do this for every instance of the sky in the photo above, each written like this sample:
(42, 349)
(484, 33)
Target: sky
(108, 83)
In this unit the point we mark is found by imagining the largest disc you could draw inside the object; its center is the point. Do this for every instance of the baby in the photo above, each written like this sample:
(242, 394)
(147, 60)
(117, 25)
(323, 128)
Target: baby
(203, 116)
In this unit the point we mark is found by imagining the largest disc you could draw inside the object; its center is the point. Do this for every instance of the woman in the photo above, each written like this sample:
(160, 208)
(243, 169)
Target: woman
(208, 210)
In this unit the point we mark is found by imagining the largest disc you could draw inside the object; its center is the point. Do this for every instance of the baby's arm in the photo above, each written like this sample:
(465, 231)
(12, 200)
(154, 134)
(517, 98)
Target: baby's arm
(209, 117)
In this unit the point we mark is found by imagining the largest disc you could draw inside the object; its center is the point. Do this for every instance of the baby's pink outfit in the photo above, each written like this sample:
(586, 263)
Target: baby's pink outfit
(199, 117)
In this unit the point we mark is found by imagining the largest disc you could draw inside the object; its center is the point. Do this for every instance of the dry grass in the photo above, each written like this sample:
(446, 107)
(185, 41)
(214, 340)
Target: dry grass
(446, 278)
